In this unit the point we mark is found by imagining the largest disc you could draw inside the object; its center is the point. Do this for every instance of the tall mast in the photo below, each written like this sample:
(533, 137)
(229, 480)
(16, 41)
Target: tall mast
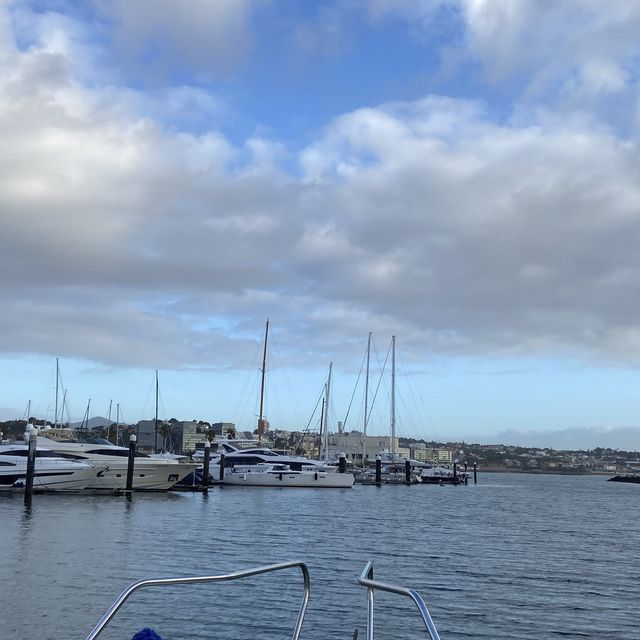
(109, 419)
(55, 419)
(64, 406)
(366, 403)
(321, 439)
(326, 415)
(264, 368)
(393, 397)
(85, 421)
(155, 448)
(117, 422)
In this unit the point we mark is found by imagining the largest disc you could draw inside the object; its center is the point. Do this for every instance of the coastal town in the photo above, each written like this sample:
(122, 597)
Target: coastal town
(188, 437)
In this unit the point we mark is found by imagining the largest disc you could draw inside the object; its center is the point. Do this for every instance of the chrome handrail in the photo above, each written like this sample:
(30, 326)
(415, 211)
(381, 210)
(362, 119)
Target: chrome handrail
(366, 580)
(152, 582)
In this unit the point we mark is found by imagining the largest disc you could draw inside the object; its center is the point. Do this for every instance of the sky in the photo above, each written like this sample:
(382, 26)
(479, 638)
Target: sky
(463, 174)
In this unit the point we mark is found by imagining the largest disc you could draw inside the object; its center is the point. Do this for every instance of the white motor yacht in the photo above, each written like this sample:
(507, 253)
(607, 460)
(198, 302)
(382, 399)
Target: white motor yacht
(268, 467)
(267, 474)
(52, 472)
(149, 473)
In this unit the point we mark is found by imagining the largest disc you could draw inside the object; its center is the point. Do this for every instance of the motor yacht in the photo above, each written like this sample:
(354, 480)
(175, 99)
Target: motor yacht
(268, 466)
(149, 473)
(267, 474)
(52, 472)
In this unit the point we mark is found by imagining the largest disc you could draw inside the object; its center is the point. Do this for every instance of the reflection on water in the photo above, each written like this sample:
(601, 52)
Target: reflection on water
(513, 557)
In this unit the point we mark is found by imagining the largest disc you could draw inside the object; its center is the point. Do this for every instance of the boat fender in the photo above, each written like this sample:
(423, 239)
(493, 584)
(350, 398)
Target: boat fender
(280, 476)
(146, 634)
(316, 475)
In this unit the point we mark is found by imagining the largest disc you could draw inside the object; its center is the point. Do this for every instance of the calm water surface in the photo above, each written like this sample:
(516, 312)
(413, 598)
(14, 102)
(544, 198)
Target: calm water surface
(517, 556)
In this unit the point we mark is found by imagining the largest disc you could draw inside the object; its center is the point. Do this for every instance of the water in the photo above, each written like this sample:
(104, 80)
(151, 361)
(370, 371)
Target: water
(517, 556)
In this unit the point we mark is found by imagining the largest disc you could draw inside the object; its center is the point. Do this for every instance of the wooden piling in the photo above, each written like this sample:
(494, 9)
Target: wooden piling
(31, 468)
(221, 472)
(455, 473)
(342, 463)
(205, 470)
(475, 473)
(130, 461)
(378, 471)
(407, 472)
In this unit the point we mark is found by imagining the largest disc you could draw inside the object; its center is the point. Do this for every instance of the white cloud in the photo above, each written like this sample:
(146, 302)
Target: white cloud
(423, 217)
(209, 37)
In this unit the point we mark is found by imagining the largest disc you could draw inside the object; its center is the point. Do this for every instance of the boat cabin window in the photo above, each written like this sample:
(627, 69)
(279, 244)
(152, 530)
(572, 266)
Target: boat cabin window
(119, 453)
(23, 453)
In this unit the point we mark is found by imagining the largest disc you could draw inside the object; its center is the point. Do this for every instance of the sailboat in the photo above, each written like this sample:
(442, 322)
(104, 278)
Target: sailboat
(263, 467)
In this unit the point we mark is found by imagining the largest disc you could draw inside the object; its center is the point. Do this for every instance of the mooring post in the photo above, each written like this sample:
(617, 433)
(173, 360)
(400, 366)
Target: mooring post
(130, 461)
(455, 472)
(31, 467)
(342, 463)
(475, 473)
(205, 470)
(378, 470)
(221, 473)
(407, 472)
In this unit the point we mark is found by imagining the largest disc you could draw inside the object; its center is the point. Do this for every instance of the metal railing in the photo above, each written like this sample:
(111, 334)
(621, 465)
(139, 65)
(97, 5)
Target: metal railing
(366, 580)
(154, 582)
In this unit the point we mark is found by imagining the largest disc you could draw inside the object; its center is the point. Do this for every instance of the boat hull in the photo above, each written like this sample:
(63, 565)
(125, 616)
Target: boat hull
(56, 478)
(159, 476)
(317, 479)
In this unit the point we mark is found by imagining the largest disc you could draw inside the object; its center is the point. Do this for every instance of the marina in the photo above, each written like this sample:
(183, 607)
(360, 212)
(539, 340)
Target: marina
(487, 558)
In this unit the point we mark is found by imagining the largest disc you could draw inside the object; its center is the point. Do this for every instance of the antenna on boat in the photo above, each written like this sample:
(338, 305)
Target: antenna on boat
(264, 368)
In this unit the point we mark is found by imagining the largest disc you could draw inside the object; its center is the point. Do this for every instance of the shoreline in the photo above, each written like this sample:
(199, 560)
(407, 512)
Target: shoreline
(557, 472)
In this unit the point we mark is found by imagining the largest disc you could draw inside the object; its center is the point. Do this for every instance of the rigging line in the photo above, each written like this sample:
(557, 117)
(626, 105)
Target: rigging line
(296, 406)
(384, 366)
(146, 402)
(241, 401)
(355, 388)
(315, 409)
(424, 411)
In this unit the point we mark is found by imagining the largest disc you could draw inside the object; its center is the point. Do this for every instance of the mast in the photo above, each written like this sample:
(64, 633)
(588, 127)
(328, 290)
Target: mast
(393, 397)
(117, 422)
(264, 368)
(326, 415)
(64, 406)
(85, 420)
(366, 403)
(155, 447)
(55, 419)
(321, 438)
(109, 419)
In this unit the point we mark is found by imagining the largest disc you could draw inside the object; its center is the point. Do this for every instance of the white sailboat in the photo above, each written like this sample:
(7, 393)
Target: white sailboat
(263, 467)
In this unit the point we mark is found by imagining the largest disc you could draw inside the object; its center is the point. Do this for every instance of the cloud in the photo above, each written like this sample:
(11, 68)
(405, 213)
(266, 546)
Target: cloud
(575, 54)
(170, 35)
(623, 438)
(424, 218)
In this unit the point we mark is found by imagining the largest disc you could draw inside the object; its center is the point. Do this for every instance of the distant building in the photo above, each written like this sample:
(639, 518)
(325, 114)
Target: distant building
(175, 436)
(222, 428)
(352, 443)
(432, 455)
